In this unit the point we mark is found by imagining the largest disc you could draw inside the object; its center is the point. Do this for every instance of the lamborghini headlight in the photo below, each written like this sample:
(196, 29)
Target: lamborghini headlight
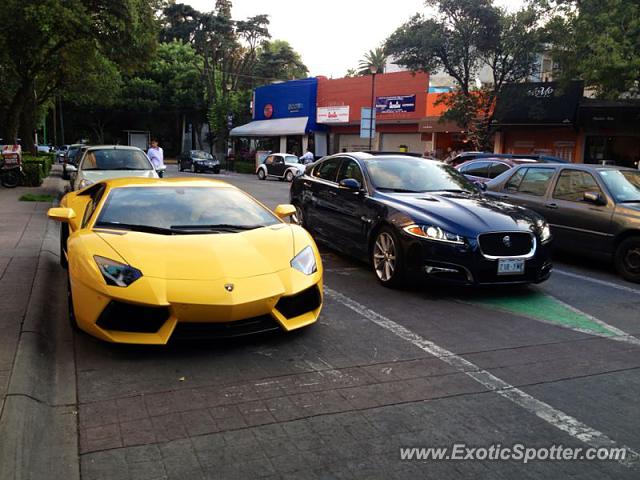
(431, 232)
(115, 273)
(84, 183)
(305, 261)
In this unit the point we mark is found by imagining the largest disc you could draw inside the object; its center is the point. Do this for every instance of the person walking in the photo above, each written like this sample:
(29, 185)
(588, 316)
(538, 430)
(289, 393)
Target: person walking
(307, 158)
(156, 155)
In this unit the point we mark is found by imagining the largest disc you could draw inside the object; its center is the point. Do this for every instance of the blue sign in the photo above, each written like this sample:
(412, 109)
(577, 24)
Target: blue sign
(367, 124)
(398, 103)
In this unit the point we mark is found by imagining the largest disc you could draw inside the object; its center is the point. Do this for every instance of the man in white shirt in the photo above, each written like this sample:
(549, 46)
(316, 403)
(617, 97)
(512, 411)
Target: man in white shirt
(155, 154)
(308, 157)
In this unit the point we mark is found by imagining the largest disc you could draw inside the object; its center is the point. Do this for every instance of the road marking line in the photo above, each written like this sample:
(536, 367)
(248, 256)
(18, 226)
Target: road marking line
(598, 281)
(546, 412)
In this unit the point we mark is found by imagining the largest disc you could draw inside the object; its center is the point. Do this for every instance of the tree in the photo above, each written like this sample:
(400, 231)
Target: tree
(377, 58)
(464, 37)
(277, 60)
(597, 41)
(38, 39)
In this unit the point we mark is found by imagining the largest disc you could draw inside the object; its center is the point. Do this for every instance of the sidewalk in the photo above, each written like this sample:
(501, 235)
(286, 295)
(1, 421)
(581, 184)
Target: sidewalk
(37, 378)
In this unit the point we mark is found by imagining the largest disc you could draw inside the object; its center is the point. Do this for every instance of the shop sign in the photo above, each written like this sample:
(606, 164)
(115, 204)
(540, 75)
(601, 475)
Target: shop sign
(395, 104)
(338, 114)
(541, 92)
(295, 107)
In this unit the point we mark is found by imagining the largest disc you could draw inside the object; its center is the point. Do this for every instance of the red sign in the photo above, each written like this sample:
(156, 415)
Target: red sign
(268, 110)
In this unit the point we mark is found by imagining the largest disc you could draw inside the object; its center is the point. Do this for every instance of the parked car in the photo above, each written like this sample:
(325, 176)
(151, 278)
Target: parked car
(409, 217)
(593, 210)
(71, 159)
(44, 148)
(198, 161)
(149, 260)
(111, 161)
(60, 153)
(283, 166)
(482, 170)
(466, 156)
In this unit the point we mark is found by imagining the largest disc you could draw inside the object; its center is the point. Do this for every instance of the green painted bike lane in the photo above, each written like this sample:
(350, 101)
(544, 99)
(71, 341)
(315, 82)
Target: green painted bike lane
(540, 306)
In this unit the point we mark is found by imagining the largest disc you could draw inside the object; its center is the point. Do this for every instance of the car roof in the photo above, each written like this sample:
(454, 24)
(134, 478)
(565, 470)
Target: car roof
(581, 166)
(376, 155)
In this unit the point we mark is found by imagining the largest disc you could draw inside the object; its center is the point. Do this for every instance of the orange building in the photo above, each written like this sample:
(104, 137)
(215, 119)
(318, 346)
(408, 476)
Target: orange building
(400, 100)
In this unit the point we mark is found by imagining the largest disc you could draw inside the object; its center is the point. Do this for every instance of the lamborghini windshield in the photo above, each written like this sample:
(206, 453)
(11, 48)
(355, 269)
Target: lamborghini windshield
(180, 210)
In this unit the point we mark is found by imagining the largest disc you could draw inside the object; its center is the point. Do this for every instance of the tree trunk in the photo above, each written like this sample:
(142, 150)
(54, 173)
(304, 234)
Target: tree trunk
(14, 112)
(28, 123)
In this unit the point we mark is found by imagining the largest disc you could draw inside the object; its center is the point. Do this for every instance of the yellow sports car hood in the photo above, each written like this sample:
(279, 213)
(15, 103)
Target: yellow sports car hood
(205, 257)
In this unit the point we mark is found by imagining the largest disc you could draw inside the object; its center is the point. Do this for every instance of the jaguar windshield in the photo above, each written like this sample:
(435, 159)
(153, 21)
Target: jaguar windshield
(411, 175)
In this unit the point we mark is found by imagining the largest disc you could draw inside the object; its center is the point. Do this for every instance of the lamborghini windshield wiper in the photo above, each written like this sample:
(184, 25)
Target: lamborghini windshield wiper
(214, 227)
(136, 228)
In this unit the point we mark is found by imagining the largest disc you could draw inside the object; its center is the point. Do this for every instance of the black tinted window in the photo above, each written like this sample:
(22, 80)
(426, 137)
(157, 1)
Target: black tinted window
(328, 169)
(497, 168)
(476, 169)
(350, 169)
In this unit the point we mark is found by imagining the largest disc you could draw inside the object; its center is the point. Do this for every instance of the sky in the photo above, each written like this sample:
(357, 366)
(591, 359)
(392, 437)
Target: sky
(332, 36)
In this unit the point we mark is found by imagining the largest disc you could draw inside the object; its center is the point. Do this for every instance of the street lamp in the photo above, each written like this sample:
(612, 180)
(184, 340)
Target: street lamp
(373, 69)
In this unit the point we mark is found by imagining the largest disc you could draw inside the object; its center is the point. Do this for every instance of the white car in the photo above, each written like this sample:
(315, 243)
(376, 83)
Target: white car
(110, 161)
(280, 165)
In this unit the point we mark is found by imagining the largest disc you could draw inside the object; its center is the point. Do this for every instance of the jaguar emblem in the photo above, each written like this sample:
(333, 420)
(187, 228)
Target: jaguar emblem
(507, 241)
(228, 287)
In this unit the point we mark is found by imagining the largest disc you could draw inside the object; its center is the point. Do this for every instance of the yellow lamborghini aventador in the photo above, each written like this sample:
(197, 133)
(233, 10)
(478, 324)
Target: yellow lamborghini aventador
(152, 259)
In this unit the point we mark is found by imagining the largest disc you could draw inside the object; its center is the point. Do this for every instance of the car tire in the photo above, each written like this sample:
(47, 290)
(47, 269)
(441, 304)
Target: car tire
(289, 176)
(65, 175)
(387, 258)
(180, 169)
(627, 259)
(70, 311)
(261, 174)
(301, 216)
(216, 170)
(64, 235)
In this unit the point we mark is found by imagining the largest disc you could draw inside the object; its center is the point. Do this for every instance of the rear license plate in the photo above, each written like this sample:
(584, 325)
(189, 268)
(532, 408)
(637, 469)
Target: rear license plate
(510, 266)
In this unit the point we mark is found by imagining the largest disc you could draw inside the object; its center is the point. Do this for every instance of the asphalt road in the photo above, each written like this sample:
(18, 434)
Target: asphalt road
(553, 364)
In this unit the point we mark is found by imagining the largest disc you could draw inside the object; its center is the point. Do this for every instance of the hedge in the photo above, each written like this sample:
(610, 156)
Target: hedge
(36, 169)
(244, 167)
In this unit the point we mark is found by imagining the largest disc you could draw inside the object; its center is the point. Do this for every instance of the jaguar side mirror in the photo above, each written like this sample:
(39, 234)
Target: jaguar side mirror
(350, 184)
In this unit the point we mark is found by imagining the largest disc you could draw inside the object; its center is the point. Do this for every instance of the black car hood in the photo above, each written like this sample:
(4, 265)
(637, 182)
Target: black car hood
(460, 213)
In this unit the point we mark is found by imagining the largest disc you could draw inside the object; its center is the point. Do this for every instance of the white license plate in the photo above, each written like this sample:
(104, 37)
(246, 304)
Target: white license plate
(510, 266)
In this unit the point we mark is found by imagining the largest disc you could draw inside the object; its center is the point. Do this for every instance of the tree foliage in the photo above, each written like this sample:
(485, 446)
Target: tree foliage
(277, 60)
(376, 57)
(466, 36)
(43, 41)
(597, 41)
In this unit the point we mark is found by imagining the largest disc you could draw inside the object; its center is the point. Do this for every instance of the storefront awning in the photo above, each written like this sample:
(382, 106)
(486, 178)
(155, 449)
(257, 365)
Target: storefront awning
(438, 125)
(272, 128)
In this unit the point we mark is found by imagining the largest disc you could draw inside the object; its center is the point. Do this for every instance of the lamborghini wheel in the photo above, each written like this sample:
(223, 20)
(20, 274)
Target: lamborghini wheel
(70, 313)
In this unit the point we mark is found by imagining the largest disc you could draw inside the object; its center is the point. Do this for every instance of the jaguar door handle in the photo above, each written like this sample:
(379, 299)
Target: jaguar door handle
(306, 184)
(551, 206)
(332, 193)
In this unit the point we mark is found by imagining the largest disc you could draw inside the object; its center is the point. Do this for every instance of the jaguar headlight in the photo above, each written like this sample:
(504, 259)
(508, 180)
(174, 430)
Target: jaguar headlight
(305, 261)
(115, 273)
(431, 232)
(544, 231)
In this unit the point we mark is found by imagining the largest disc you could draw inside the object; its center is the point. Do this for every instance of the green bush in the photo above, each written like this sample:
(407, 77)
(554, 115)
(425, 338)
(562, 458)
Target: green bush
(33, 174)
(244, 167)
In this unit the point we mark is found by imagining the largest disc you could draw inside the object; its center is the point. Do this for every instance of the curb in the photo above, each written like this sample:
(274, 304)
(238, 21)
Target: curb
(38, 427)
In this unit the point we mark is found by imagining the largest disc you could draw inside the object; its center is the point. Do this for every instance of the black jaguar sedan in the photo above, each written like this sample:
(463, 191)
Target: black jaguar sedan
(409, 216)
